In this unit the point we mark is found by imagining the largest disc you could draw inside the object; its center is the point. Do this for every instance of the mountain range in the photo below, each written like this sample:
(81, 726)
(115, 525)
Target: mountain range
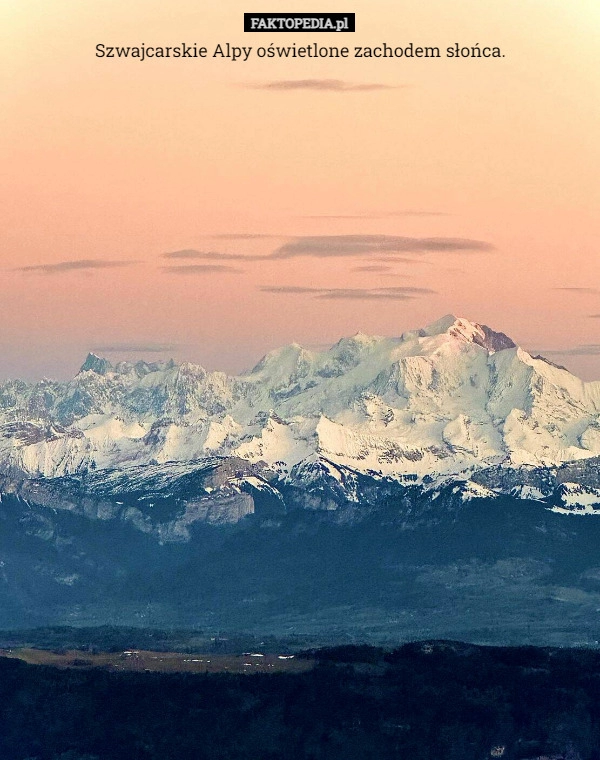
(314, 492)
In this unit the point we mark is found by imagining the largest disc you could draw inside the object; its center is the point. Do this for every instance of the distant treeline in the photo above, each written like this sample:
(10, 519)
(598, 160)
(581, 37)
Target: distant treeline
(117, 638)
(423, 701)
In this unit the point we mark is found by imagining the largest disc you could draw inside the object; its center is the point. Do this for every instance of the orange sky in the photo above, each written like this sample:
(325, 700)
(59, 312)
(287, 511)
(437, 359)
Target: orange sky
(109, 164)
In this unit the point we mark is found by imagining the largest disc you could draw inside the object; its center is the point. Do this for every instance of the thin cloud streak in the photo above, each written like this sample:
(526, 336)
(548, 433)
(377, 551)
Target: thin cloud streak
(189, 253)
(347, 245)
(328, 246)
(373, 268)
(589, 349)
(323, 85)
(78, 265)
(292, 289)
(247, 236)
(354, 294)
(399, 260)
(192, 254)
(357, 245)
(136, 348)
(201, 269)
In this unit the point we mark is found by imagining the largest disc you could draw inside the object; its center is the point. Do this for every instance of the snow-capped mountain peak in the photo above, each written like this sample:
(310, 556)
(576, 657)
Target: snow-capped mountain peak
(470, 332)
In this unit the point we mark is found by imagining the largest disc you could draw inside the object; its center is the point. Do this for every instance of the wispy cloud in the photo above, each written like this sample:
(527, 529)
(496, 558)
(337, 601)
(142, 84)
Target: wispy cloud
(77, 265)
(247, 236)
(192, 254)
(293, 289)
(353, 294)
(399, 260)
(358, 245)
(135, 348)
(201, 269)
(588, 349)
(324, 246)
(594, 316)
(323, 85)
(373, 268)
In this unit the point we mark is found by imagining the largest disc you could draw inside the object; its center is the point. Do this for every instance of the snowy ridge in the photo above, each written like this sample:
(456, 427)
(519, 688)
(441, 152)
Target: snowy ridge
(576, 499)
(447, 400)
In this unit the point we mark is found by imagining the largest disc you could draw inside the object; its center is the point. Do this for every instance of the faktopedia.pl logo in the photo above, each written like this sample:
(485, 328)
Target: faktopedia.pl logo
(299, 22)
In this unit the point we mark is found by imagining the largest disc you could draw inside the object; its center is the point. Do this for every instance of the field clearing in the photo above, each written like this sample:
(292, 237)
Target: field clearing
(162, 662)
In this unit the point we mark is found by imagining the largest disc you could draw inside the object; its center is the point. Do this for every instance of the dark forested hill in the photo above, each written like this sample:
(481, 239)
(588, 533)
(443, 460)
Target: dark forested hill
(424, 701)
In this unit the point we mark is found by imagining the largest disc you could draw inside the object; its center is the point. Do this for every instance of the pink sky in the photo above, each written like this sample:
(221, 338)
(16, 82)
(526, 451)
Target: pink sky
(113, 163)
